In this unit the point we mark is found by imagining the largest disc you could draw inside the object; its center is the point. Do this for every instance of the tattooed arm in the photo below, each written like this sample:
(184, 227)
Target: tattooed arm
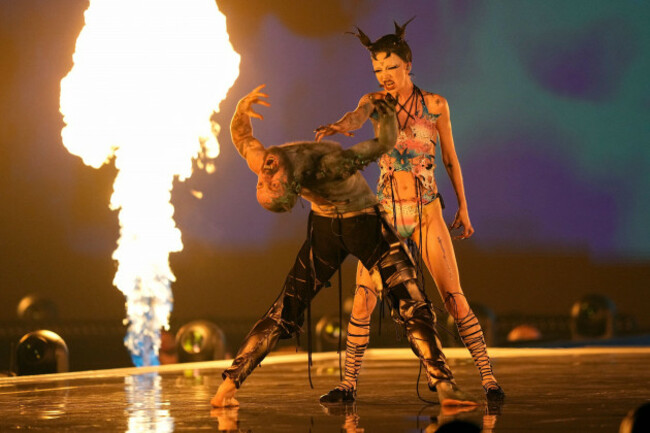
(339, 165)
(351, 120)
(436, 103)
(241, 129)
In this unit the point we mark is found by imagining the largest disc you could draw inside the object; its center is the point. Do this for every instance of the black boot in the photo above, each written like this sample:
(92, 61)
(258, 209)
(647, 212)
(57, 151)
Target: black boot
(338, 395)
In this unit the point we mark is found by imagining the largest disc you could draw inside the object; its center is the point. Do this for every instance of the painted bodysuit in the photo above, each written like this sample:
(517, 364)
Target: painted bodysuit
(414, 152)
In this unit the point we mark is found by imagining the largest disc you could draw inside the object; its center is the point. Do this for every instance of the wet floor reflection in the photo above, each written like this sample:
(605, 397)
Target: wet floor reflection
(430, 419)
(572, 395)
(147, 411)
(227, 419)
(54, 408)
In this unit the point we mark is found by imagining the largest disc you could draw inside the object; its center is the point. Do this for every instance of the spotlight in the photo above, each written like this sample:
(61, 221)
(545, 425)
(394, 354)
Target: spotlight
(593, 317)
(524, 332)
(35, 308)
(328, 330)
(41, 352)
(200, 340)
(637, 420)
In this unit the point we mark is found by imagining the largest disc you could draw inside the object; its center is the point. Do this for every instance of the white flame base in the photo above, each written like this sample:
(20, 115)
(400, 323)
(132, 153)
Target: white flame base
(147, 76)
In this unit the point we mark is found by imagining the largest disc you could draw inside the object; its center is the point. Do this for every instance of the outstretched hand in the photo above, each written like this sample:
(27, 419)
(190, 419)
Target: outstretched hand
(245, 104)
(331, 129)
(462, 220)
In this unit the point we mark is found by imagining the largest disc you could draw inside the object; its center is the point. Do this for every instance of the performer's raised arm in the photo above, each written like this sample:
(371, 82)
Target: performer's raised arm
(386, 133)
(351, 121)
(241, 129)
(346, 163)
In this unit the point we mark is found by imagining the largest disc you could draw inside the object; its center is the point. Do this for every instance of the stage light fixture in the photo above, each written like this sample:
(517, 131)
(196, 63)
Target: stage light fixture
(200, 340)
(524, 332)
(593, 317)
(637, 420)
(328, 330)
(41, 352)
(36, 308)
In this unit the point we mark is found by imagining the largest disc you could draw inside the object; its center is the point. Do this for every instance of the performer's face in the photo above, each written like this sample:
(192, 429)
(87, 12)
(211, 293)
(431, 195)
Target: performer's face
(391, 71)
(272, 180)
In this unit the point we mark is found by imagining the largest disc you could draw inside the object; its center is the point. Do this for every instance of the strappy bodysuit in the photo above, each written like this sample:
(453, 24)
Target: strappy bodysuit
(414, 152)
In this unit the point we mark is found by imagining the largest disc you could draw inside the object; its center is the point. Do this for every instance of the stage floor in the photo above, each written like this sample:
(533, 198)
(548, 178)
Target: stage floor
(548, 390)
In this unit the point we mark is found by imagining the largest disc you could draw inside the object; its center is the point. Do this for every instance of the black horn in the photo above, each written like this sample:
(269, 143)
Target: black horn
(365, 40)
(400, 30)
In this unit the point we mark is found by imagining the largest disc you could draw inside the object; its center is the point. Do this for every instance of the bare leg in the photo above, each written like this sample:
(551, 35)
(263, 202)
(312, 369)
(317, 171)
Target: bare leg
(358, 335)
(225, 396)
(439, 257)
(227, 418)
(358, 338)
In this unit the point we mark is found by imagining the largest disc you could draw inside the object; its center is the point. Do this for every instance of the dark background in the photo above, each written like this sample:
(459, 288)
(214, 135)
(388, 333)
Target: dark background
(549, 101)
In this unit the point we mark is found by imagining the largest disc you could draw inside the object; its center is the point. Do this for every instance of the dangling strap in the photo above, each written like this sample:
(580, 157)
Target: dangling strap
(381, 311)
(392, 196)
(311, 279)
(417, 387)
(418, 192)
(340, 224)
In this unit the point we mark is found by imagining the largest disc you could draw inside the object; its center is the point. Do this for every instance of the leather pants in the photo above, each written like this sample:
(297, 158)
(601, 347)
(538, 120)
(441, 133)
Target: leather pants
(373, 241)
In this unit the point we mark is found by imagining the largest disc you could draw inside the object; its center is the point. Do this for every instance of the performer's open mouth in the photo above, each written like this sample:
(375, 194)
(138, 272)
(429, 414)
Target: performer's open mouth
(389, 85)
(270, 165)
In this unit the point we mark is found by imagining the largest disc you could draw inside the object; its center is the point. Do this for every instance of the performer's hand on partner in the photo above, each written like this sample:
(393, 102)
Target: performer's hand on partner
(245, 104)
(387, 122)
(331, 129)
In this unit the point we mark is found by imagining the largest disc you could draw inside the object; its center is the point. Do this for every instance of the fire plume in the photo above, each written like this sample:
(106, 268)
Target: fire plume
(147, 76)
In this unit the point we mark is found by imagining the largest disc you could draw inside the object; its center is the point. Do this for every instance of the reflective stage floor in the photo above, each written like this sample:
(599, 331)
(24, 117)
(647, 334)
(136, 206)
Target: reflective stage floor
(548, 390)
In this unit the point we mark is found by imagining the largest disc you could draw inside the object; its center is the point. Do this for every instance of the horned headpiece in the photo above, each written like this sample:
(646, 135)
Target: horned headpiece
(396, 37)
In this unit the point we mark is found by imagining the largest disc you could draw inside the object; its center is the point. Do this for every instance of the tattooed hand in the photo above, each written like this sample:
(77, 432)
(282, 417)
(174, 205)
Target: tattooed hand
(241, 129)
(331, 129)
(350, 121)
(244, 106)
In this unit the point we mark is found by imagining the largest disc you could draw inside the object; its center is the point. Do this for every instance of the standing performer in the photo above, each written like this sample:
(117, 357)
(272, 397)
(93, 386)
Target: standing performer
(345, 219)
(407, 191)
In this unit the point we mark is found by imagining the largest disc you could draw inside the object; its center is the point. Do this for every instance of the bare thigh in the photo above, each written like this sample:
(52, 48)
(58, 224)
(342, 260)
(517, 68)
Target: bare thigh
(439, 257)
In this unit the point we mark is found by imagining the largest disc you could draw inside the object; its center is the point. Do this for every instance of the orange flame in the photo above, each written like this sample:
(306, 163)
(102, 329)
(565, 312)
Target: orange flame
(147, 76)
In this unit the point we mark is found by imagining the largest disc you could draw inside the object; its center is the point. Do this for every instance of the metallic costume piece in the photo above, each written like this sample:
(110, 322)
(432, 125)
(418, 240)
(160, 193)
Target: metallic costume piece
(374, 241)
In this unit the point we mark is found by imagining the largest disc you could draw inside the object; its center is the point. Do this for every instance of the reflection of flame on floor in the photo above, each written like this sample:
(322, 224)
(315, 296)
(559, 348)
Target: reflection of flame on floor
(146, 78)
(147, 410)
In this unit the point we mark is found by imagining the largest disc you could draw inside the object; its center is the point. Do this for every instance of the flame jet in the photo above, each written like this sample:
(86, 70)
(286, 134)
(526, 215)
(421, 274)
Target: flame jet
(147, 76)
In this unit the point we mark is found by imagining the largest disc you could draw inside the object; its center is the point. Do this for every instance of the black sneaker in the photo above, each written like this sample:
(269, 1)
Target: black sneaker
(339, 396)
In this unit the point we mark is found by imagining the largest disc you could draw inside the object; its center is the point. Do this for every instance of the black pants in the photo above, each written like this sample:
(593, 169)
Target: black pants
(371, 239)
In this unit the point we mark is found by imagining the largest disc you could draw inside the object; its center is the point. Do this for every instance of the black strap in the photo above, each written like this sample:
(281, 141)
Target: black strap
(311, 278)
(412, 102)
(339, 217)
